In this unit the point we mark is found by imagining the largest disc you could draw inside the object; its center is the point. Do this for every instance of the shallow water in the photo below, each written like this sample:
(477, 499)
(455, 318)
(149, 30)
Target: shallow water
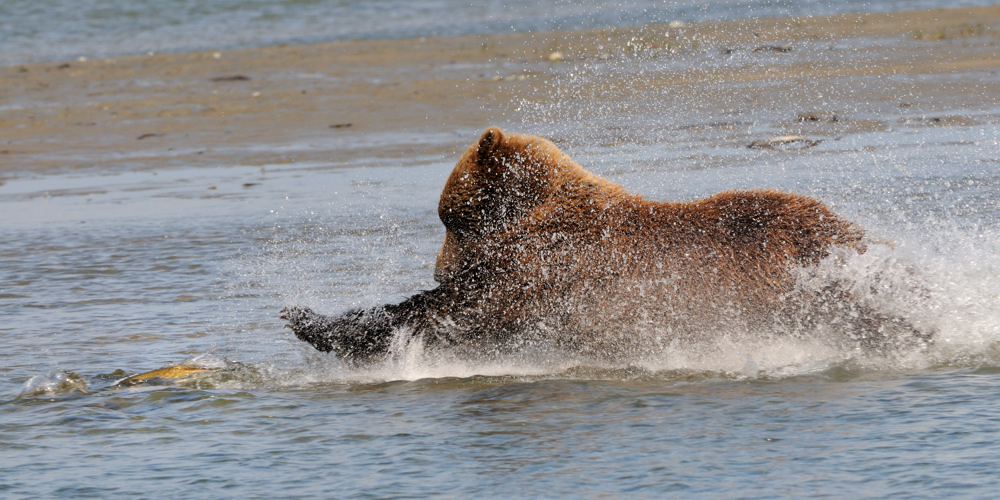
(135, 271)
(583, 434)
(69, 29)
(105, 275)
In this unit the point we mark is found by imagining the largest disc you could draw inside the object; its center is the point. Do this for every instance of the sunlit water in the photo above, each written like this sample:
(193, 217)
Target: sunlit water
(105, 276)
(132, 272)
(69, 29)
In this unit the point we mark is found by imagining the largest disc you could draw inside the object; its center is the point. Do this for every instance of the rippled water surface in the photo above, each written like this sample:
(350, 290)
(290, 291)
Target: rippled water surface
(68, 29)
(834, 433)
(106, 275)
(111, 275)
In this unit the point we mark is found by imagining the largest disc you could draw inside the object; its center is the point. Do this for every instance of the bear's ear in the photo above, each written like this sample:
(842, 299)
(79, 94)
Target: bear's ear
(488, 143)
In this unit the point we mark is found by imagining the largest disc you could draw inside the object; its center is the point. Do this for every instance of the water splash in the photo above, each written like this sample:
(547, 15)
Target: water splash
(945, 283)
(653, 112)
(52, 383)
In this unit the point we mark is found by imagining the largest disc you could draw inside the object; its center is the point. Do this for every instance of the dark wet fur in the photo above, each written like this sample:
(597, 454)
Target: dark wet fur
(355, 335)
(537, 248)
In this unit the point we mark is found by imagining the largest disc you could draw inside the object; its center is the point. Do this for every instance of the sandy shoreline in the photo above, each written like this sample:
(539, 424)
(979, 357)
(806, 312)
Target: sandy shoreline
(341, 101)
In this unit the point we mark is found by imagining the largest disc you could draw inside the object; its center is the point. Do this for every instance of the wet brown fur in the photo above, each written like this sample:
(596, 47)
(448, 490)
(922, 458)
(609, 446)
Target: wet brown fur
(537, 247)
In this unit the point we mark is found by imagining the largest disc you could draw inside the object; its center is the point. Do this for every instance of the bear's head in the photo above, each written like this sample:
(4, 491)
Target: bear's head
(498, 180)
(500, 183)
(496, 183)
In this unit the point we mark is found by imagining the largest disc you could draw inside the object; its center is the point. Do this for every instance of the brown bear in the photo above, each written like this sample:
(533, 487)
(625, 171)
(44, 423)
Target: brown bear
(538, 250)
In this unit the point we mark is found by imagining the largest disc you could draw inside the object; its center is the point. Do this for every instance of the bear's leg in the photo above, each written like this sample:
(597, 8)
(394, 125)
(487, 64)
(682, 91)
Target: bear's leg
(358, 335)
(876, 330)
(835, 309)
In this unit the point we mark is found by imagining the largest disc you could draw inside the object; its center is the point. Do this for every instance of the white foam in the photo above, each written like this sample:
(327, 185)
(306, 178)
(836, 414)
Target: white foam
(950, 288)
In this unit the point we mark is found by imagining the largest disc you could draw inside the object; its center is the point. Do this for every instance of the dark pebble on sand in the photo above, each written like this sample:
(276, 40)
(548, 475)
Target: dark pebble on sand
(818, 117)
(773, 48)
(231, 78)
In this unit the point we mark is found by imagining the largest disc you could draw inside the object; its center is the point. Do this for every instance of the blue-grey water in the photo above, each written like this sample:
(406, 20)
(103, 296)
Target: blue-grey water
(105, 274)
(31, 30)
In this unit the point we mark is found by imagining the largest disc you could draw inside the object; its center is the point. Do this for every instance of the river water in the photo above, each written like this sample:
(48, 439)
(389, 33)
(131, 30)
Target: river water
(109, 274)
(68, 29)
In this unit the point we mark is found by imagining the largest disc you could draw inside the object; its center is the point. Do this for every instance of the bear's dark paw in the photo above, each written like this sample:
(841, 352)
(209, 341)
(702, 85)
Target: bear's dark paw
(310, 327)
(884, 333)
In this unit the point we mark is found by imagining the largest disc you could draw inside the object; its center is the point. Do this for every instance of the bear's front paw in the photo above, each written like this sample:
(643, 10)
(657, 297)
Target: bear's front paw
(295, 315)
(309, 327)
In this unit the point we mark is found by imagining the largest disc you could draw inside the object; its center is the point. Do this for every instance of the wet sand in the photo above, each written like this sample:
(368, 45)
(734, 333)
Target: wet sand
(331, 103)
